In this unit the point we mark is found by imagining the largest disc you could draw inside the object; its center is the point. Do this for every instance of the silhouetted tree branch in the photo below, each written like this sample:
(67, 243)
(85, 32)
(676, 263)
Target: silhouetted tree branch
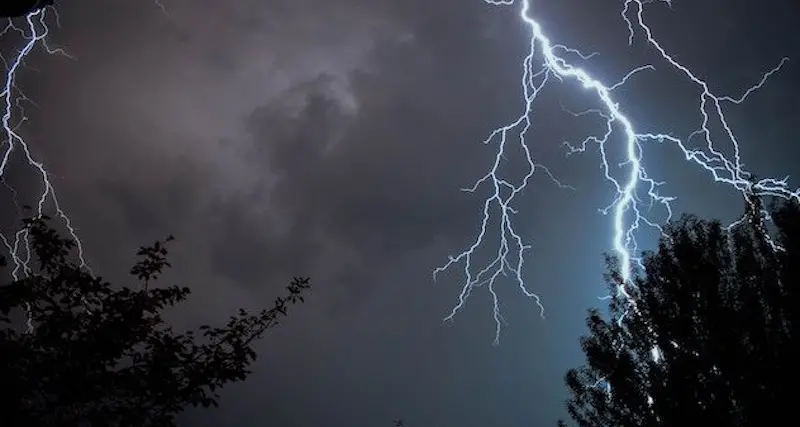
(20, 8)
(100, 355)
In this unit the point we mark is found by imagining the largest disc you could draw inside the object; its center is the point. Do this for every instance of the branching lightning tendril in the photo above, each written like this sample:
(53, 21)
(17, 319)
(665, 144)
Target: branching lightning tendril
(546, 61)
(34, 31)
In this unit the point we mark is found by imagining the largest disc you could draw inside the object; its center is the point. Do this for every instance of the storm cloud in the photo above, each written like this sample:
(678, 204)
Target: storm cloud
(330, 139)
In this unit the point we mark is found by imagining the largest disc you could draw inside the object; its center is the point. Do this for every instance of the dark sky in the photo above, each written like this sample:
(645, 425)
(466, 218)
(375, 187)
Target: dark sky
(329, 138)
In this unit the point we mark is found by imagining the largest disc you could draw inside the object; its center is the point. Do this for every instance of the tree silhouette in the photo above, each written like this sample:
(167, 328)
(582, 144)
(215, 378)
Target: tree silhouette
(712, 337)
(18, 8)
(101, 355)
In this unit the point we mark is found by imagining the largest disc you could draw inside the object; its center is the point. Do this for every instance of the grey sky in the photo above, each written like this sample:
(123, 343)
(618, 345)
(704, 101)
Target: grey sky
(330, 139)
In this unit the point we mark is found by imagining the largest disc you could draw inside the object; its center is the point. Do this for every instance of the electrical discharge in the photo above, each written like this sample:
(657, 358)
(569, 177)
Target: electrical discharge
(547, 61)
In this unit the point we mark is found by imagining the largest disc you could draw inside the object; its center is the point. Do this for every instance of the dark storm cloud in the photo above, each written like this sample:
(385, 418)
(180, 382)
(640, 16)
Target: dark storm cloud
(330, 138)
(373, 180)
(353, 118)
(273, 139)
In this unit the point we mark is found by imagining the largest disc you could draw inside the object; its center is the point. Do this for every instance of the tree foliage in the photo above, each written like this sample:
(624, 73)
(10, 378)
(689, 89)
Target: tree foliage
(711, 340)
(19, 8)
(102, 355)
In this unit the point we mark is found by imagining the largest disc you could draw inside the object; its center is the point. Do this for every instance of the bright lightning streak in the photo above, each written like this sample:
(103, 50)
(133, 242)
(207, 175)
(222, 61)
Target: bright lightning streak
(546, 61)
(35, 34)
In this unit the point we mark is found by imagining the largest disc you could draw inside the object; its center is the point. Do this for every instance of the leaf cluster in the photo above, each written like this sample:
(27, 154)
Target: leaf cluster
(712, 337)
(101, 355)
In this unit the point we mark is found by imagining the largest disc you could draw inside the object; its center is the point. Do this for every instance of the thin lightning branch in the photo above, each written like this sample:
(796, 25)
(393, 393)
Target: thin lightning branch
(35, 34)
(634, 191)
(161, 6)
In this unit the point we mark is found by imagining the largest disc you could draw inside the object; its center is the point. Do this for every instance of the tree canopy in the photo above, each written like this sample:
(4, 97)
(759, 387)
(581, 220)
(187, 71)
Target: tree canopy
(712, 337)
(18, 8)
(97, 354)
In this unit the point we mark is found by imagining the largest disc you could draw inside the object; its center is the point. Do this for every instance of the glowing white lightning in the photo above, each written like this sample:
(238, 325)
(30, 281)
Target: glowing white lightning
(630, 190)
(35, 35)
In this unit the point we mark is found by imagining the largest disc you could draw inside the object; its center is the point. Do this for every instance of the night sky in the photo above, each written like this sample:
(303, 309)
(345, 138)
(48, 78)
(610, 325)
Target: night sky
(330, 138)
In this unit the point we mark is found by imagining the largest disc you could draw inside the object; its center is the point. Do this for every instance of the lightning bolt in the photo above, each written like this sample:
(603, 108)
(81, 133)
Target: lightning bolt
(544, 62)
(34, 32)
(547, 61)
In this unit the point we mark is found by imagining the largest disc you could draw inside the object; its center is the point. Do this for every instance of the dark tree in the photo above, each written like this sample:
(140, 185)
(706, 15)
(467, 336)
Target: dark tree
(18, 8)
(712, 339)
(101, 355)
